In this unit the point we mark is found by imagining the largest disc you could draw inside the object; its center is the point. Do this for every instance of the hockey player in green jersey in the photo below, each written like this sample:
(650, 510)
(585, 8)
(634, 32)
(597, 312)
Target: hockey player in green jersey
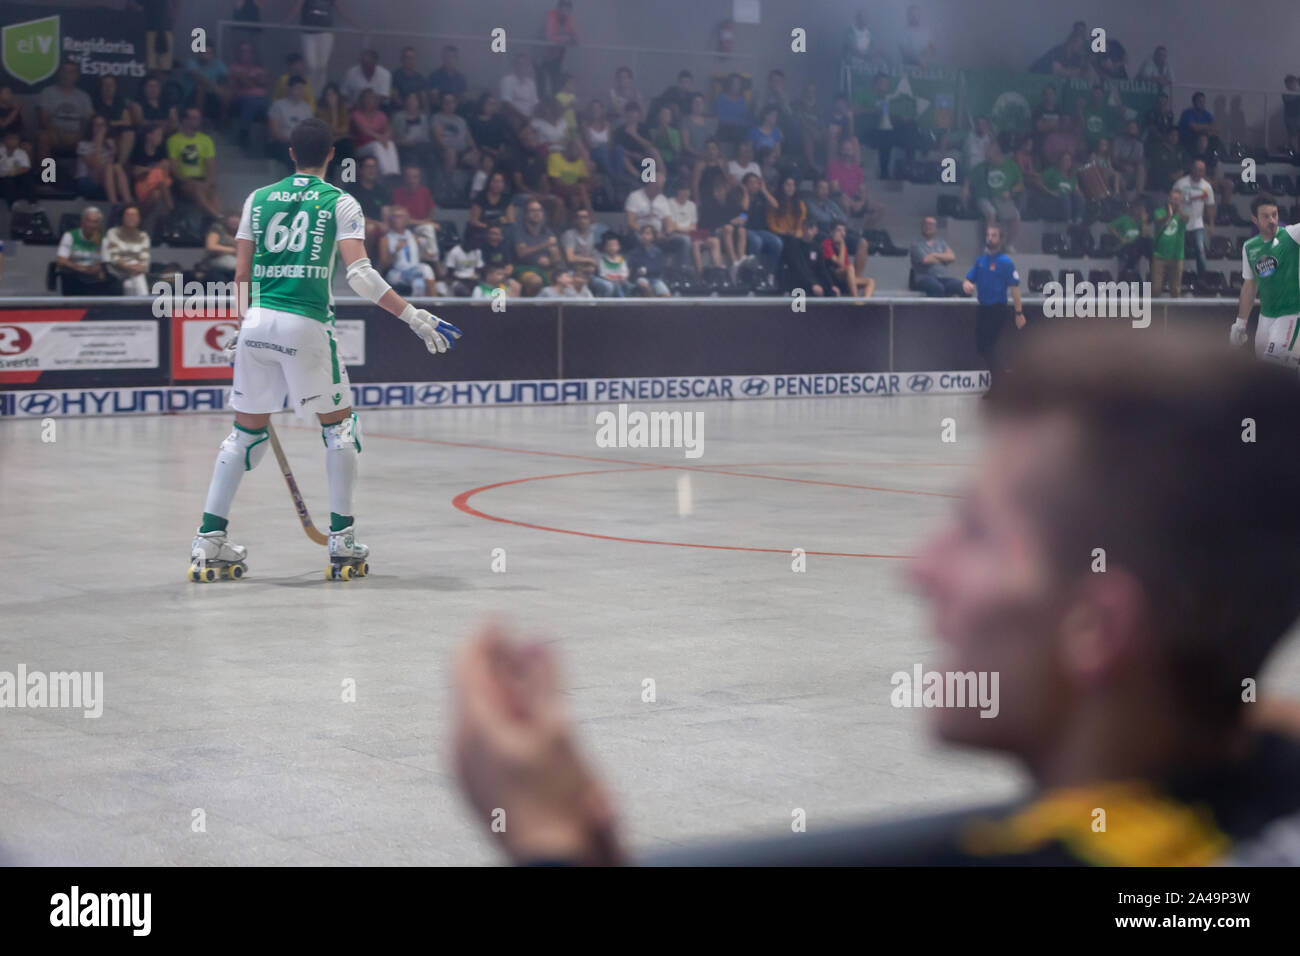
(1270, 264)
(285, 252)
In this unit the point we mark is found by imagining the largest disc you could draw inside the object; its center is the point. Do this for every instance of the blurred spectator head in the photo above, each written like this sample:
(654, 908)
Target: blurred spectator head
(1291, 82)
(523, 66)
(369, 100)
(409, 58)
(1097, 94)
(534, 213)
(494, 274)
(297, 88)
(648, 235)
(776, 80)
(581, 218)
(1049, 97)
(595, 112)
(411, 175)
(809, 230)
(789, 189)
(528, 138)
(1160, 56)
(130, 217)
(632, 114)
(913, 15)
(698, 105)
(368, 171)
(496, 183)
(1198, 100)
(69, 73)
(744, 152)
(411, 104)
(1132, 128)
(752, 183)
(191, 119)
(369, 60)
(983, 126)
(654, 187)
(331, 97)
(735, 85)
(685, 80)
(822, 188)
(92, 220)
(712, 151)
(495, 235)
(245, 54)
(488, 105)
(295, 65)
(623, 79)
(769, 117)
(929, 226)
(610, 244)
(450, 58)
(399, 218)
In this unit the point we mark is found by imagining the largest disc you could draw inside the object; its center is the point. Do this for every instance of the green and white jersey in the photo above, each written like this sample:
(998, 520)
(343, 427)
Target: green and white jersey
(295, 226)
(1275, 267)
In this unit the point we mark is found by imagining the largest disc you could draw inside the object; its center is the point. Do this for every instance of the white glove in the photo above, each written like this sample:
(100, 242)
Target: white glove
(438, 336)
(1237, 334)
(228, 350)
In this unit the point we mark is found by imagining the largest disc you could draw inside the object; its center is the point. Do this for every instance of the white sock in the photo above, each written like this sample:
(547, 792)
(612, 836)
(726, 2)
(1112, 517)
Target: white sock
(240, 452)
(342, 449)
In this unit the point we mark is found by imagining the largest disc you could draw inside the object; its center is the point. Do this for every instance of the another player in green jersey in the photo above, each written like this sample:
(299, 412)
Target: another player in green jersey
(1270, 263)
(288, 236)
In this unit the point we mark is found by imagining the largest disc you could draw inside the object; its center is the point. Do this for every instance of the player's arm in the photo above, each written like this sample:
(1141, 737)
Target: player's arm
(438, 336)
(1245, 301)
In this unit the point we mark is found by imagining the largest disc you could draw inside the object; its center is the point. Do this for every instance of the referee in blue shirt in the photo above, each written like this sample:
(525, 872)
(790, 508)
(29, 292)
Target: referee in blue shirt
(989, 279)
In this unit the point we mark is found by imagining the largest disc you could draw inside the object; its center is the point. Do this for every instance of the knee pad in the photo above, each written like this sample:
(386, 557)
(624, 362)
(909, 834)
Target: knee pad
(248, 446)
(344, 434)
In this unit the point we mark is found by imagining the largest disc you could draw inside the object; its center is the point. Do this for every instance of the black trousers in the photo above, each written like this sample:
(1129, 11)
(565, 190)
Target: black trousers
(991, 324)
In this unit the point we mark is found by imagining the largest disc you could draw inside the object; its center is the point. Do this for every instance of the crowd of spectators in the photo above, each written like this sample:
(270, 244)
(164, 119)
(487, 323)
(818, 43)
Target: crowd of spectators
(725, 182)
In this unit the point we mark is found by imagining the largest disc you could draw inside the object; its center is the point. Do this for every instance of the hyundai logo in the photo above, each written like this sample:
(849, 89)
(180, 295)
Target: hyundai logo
(38, 403)
(432, 395)
(754, 386)
(919, 383)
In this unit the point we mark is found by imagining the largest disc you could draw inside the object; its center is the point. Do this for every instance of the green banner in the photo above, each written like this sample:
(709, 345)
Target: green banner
(928, 96)
(1009, 98)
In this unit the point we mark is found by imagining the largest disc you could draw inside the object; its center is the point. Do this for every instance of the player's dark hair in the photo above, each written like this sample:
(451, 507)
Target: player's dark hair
(311, 141)
(1172, 433)
(1262, 200)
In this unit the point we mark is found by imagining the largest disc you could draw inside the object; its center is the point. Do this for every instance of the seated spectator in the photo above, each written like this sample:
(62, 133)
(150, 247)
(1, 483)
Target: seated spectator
(732, 109)
(580, 243)
(219, 248)
(152, 107)
(151, 176)
(1046, 119)
(332, 111)
(611, 279)
(1131, 230)
(624, 93)
(80, 258)
(374, 197)
(597, 134)
(413, 196)
(1165, 162)
(696, 128)
(207, 85)
(839, 126)
(889, 123)
(1112, 62)
(1101, 158)
(648, 206)
(1061, 185)
(294, 66)
(1158, 121)
(496, 251)
(835, 252)
(283, 116)
(761, 241)
(1028, 166)
(537, 250)
(743, 164)
(16, 178)
(645, 264)
(489, 127)
(1129, 157)
(448, 78)
(667, 139)
(823, 208)
(126, 253)
(1099, 117)
(249, 89)
(463, 264)
(570, 176)
(372, 134)
(110, 103)
(367, 76)
(710, 167)
(634, 138)
(400, 256)
(802, 266)
(775, 97)
(994, 188)
(767, 133)
(494, 279)
(98, 173)
(931, 255)
(527, 163)
(519, 92)
(193, 161)
(408, 79)
(849, 184)
(413, 133)
(491, 207)
(1196, 119)
(62, 112)
(677, 98)
(723, 217)
(566, 285)
(548, 122)
(683, 219)
(1158, 69)
(1066, 59)
(786, 215)
(567, 98)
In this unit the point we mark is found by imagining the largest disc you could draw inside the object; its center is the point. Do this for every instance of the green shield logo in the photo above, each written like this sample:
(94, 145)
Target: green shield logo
(31, 49)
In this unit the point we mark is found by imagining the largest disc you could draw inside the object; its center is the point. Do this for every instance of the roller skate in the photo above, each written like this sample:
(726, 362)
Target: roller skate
(347, 558)
(212, 557)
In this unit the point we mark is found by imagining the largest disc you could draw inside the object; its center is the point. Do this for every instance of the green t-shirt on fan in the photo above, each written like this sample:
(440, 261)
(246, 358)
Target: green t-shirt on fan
(1127, 227)
(991, 180)
(1058, 182)
(1170, 232)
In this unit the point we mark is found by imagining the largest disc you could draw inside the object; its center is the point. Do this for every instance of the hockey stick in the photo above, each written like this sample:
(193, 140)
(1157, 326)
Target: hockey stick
(294, 493)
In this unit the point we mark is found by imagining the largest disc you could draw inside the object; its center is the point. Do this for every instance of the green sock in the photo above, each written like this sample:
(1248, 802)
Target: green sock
(339, 522)
(212, 523)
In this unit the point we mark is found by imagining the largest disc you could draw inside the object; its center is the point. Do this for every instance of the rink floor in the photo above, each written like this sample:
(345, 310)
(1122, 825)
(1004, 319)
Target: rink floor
(224, 703)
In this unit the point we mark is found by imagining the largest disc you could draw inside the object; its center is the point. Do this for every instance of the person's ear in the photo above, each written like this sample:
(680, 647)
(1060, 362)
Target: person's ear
(1102, 625)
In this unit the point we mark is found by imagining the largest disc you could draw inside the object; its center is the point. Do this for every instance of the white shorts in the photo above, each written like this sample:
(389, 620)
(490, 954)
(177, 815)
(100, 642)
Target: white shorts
(279, 354)
(1276, 339)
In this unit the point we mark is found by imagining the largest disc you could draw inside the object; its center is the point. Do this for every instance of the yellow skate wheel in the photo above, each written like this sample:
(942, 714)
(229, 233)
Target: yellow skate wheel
(347, 572)
(365, 569)
(236, 571)
(209, 574)
(194, 574)
(329, 572)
